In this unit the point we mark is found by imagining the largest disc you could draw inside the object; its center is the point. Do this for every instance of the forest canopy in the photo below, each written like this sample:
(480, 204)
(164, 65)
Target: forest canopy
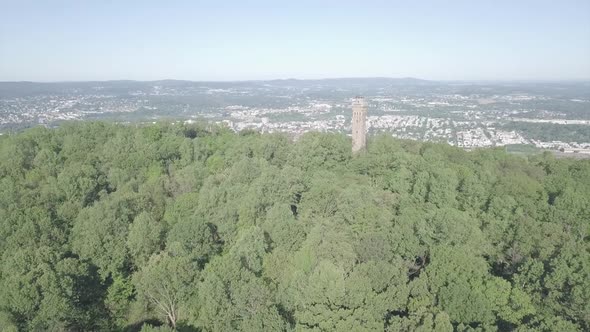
(107, 227)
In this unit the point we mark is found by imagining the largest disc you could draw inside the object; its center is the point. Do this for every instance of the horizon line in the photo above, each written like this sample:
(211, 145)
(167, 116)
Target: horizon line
(563, 80)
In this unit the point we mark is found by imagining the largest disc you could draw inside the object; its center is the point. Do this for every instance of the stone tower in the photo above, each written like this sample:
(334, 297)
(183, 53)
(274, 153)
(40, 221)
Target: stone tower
(359, 124)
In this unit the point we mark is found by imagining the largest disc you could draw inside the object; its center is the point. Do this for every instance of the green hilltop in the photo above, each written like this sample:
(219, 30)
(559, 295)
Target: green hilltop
(108, 227)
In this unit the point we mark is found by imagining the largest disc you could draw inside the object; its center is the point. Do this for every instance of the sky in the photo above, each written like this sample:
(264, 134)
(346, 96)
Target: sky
(58, 40)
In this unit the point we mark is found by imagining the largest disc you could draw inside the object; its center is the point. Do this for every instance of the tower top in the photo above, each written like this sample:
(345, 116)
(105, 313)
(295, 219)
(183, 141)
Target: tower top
(359, 101)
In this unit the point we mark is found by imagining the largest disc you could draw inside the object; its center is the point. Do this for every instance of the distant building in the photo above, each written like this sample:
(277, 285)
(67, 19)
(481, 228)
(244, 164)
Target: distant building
(359, 124)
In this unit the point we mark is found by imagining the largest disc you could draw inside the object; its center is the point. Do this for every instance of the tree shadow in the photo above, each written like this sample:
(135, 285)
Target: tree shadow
(136, 327)
(180, 327)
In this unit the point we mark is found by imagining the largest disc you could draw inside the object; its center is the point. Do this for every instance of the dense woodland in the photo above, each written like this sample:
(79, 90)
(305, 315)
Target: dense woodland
(107, 227)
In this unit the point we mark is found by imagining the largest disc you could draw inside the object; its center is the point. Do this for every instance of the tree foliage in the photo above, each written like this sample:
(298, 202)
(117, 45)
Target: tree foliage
(173, 227)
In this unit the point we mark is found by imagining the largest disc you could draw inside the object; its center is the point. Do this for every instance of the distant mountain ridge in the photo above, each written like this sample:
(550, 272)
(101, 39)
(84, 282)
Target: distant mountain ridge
(356, 85)
(27, 88)
(167, 80)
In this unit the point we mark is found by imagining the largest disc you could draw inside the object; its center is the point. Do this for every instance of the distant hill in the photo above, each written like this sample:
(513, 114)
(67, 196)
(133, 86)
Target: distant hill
(25, 88)
(357, 81)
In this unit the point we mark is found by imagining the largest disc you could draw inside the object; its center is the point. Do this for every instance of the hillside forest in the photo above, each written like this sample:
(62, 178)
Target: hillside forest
(107, 227)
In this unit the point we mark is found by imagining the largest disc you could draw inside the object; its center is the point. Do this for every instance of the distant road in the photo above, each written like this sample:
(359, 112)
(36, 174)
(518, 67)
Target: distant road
(556, 121)
(559, 154)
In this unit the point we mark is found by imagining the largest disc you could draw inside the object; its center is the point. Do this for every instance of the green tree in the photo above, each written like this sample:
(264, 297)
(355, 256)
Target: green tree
(145, 238)
(166, 282)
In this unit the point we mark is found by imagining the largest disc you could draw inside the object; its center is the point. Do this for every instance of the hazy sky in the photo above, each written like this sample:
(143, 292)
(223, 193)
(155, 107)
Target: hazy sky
(53, 40)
